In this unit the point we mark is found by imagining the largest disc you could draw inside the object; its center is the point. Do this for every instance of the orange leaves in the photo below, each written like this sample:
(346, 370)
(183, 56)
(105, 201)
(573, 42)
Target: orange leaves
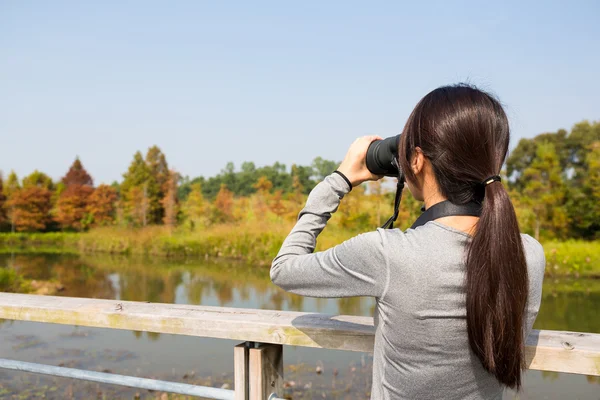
(71, 207)
(224, 205)
(28, 209)
(101, 205)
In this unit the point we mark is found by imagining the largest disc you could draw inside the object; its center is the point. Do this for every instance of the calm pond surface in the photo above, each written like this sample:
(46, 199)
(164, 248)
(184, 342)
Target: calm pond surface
(567, 305)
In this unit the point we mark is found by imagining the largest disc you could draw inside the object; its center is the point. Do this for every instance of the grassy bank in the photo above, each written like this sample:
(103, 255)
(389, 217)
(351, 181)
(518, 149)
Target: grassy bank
(254, 244)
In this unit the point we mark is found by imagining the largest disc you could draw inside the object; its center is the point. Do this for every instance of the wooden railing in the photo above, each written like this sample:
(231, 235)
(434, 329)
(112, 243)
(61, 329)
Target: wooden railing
(258, 361)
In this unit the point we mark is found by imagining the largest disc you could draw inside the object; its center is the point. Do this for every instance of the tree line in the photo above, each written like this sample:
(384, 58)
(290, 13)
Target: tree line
(553, 179)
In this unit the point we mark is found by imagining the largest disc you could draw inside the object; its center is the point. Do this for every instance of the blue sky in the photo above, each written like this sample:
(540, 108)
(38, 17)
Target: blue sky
(212, 82)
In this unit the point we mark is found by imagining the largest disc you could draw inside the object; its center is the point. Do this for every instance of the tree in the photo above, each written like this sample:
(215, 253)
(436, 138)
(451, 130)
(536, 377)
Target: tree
(195, 207)
(222, 211)
(544, 191)
(263, 189)
(580, 143)
(377, 194)
(276, 204)
(136, 205)
(10, 187)
(77, 175)
(352, 214)
(71, 206)
(2, 201)
(29, 208)
(11, 184)
(38, 179)
(321, 168)
(169, 202)
(584, 200)
(101, 205)
(157, 187)
(137, 188)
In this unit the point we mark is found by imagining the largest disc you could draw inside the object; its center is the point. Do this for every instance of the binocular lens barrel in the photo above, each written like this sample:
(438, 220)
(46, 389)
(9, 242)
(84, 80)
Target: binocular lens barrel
(380, 155)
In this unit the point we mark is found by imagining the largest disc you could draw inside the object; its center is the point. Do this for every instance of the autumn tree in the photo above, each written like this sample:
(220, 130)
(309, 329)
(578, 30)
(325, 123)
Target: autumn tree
(71, 207)
(263, 189)
(29, 208)
(276, 204)
(169, 202)
(195, 207)
(101, 205)
(222, 208)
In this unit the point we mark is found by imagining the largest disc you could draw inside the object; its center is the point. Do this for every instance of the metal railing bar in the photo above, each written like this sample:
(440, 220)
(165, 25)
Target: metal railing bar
(122, 380)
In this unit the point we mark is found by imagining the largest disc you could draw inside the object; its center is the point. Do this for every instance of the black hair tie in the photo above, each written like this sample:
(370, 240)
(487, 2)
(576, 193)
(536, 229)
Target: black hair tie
(491, 179)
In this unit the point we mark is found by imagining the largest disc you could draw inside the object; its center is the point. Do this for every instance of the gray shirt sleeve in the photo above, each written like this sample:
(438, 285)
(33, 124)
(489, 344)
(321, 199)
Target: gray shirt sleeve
(357, 267)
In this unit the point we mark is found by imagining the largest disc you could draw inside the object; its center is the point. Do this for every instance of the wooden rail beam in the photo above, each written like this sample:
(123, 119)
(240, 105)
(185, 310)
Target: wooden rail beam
(545, 350)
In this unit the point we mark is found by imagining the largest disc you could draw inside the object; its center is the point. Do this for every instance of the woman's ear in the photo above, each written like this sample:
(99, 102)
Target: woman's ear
(418, 161)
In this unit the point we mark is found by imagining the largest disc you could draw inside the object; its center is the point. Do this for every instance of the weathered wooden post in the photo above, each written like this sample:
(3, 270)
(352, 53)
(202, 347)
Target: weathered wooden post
(266, 371)
(241, 376)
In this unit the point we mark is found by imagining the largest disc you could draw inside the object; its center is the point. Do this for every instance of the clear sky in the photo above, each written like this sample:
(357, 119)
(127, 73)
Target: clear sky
(217, 81)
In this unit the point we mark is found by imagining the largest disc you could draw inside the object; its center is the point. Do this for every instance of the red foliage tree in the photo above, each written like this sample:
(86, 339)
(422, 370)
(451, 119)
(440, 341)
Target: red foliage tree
(71, 207)
(77, 175)
(29, 208)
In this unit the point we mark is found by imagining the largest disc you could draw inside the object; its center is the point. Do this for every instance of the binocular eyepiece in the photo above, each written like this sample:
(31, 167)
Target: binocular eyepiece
(382, 157)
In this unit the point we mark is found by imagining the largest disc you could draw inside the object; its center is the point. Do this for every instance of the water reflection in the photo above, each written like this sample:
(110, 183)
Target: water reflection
(567, 305)
(207, 282)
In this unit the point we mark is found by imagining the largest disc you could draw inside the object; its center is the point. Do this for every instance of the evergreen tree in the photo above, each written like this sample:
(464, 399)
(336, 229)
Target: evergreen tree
(137, 188)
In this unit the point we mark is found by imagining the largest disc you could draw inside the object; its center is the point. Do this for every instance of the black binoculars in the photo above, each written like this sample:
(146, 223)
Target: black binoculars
(382, 157)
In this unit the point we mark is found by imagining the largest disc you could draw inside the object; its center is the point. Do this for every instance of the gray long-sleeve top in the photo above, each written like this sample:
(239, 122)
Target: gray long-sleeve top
(417, 277)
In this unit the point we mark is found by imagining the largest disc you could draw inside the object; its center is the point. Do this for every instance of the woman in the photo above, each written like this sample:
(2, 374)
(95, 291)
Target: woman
(456, 297)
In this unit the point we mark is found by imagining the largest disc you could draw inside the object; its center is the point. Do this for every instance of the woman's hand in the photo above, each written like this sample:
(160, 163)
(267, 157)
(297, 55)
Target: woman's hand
(354, 166)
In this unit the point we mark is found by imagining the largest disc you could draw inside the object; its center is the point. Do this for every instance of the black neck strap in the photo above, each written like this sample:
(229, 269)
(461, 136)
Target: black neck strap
(447, 209)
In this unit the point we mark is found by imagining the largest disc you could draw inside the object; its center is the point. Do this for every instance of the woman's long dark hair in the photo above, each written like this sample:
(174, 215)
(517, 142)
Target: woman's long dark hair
(464, 133)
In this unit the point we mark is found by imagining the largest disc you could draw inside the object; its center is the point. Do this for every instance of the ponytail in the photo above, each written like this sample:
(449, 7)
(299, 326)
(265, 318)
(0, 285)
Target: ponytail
(464, 133)
(497, 288)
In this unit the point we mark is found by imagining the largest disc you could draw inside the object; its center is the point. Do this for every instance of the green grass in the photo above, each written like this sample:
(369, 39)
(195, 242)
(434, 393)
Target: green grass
(50, 240)
(253, 243)
(11, 281)
(573, 258)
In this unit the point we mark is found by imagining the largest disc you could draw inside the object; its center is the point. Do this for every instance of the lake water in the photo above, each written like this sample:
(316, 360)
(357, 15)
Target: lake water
(566, 305)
